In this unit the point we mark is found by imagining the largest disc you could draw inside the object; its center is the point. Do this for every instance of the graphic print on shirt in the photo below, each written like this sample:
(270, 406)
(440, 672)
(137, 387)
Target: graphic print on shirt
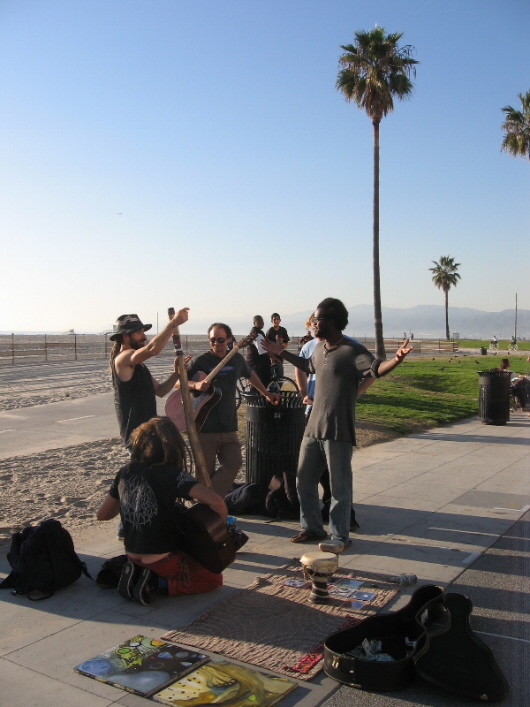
(137, 502)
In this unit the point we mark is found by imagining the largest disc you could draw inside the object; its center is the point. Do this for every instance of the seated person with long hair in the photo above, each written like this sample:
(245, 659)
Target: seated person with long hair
(145, 493)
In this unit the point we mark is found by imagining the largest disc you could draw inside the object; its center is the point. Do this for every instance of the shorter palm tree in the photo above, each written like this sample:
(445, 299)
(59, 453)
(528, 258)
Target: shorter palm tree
(516, 128)
(444, 277)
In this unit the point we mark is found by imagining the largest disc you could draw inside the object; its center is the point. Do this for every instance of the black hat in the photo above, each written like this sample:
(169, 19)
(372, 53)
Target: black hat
(128, 324)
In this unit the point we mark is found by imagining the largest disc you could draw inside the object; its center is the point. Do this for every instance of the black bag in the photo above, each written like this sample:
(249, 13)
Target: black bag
(109, 575)
(43, 560)
(244, 498)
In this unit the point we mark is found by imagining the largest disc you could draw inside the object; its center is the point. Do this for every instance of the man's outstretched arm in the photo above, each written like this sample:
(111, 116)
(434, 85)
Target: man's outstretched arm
(276, 348)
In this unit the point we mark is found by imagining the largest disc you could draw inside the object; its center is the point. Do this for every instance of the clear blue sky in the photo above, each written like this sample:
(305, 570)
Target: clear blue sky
(190, 152)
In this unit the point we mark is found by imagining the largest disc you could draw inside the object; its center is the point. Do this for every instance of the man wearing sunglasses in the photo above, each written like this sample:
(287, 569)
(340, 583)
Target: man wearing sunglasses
(339, 365)
(218, 436)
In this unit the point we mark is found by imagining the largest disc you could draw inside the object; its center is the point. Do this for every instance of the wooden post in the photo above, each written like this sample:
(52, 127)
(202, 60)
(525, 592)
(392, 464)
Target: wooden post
(75, 346)
(201, 471)
(12, 348)
(45, 348)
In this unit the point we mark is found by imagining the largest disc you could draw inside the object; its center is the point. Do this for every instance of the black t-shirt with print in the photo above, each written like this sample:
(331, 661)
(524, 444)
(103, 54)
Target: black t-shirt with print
(147, 497)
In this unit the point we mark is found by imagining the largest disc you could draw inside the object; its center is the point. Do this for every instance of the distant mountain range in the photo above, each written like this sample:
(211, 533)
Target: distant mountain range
(424, 321)
(428, 321)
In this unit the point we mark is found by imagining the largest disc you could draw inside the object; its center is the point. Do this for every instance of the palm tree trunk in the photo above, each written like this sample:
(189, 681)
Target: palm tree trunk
(378, 315)
(447, 315)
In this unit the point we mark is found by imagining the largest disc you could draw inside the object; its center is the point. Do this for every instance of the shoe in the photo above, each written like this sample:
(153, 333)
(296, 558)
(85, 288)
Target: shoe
(143, 589)
(128, 578)
(305, 536)
(347, 544)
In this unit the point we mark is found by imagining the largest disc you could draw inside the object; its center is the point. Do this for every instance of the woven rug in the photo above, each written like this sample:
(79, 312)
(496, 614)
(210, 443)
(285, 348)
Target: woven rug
(275, 626)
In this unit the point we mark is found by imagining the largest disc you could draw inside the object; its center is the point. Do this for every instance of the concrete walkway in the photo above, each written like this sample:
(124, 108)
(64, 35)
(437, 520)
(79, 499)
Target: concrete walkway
(56, 425)
(450, 505)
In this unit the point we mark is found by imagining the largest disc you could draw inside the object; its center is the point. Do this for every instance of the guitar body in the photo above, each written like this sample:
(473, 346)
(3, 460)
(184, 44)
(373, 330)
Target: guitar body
(201, 404)
(206, 537)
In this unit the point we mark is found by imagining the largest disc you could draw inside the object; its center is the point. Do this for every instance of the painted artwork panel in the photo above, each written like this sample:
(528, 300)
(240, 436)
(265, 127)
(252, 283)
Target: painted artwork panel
(226, 685)
(142, 665)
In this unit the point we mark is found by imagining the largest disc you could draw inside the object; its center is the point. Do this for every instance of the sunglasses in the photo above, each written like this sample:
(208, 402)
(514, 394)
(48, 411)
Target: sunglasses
(219, 340)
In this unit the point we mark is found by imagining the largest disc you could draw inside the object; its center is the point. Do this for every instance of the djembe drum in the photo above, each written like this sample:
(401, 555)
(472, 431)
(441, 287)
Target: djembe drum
(318, 567)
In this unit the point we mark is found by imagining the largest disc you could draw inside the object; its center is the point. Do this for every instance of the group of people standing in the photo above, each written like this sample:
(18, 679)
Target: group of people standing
(146, 489)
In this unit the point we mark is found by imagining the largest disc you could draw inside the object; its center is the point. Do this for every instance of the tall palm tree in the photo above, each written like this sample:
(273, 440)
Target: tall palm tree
(444, 277)
(374, 71)
(516, 128)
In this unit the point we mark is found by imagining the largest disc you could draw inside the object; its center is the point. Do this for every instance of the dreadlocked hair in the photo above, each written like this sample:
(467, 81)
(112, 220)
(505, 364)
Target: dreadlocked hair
(114, 352)
(158, 441)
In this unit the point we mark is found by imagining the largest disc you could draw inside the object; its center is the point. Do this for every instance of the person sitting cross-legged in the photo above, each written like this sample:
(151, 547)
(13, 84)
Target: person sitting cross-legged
(146, 493)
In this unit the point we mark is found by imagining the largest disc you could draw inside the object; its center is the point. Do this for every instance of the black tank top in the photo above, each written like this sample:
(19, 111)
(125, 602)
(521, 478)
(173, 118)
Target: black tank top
(134, 400)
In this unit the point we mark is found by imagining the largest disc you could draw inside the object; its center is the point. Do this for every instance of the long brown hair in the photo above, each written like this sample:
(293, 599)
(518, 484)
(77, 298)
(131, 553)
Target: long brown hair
(113, 353)
(158, 441)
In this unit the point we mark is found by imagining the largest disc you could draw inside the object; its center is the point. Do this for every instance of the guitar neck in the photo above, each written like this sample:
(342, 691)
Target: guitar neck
(209, 378)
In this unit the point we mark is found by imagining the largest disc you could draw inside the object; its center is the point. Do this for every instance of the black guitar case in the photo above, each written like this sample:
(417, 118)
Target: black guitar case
(454, 658)
(430, 636)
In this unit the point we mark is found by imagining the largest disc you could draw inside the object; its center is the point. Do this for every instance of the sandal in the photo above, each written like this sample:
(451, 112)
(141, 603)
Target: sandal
(305, 536)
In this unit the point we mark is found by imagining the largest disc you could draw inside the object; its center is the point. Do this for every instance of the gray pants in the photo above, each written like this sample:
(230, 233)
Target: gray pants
(315, 455)
(224, 446)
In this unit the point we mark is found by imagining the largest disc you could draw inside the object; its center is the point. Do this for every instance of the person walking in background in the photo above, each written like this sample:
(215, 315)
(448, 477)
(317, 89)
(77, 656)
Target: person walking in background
(329, 437)
(134, 386)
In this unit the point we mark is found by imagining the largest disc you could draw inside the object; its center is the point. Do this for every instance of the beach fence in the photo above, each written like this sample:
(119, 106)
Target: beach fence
(40, 348)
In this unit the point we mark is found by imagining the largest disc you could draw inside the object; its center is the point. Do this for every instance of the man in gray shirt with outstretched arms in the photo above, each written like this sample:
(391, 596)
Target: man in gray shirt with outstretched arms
(339, 364)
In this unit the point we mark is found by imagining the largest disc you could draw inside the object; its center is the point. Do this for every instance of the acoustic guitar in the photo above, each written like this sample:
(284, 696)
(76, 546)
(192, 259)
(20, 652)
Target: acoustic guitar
(201, 403)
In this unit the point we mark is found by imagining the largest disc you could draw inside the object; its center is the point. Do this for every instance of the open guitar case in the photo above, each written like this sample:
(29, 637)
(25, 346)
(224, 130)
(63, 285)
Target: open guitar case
(431, 637)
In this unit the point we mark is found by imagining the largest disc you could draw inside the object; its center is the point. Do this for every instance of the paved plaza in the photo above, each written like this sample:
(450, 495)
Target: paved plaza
(450, 505)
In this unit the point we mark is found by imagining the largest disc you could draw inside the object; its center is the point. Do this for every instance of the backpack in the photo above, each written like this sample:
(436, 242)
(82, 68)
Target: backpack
(43, 559)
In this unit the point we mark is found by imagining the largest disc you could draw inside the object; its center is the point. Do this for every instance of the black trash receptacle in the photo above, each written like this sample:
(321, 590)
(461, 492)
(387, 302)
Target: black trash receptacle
(494, 397)
(483, 351)
(273, 434)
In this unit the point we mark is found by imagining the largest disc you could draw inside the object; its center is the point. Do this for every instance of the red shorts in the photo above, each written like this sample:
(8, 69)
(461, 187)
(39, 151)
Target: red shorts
(184, 574)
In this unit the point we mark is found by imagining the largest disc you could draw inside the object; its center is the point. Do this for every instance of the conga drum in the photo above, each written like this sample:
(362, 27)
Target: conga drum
(318, 567)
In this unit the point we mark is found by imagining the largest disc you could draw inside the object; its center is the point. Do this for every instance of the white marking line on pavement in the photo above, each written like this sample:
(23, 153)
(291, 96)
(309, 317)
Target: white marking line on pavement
(519, 510)
(471, 558)
(498, 635)
(2, 431)
(71, 419)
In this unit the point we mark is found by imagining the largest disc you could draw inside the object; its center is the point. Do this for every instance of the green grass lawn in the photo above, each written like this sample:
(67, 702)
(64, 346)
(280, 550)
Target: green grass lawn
(423, 393)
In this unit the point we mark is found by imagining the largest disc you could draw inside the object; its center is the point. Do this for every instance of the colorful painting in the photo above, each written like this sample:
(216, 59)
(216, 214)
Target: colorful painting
(226, 685)
(142, 665)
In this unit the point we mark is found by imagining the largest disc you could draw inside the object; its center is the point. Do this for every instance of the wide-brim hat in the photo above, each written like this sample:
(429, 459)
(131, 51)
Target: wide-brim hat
(128, 324)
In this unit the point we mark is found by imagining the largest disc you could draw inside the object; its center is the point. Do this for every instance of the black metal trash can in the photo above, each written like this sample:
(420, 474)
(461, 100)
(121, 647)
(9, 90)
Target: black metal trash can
(494, 397)
(483, 351)
(273, 435)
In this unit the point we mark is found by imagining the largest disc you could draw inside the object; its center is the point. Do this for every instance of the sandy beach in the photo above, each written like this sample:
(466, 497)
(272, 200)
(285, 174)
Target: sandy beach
(70, 483)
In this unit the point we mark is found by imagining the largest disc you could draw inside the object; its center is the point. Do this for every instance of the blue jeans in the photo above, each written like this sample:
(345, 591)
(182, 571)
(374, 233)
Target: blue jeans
(315, 455)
